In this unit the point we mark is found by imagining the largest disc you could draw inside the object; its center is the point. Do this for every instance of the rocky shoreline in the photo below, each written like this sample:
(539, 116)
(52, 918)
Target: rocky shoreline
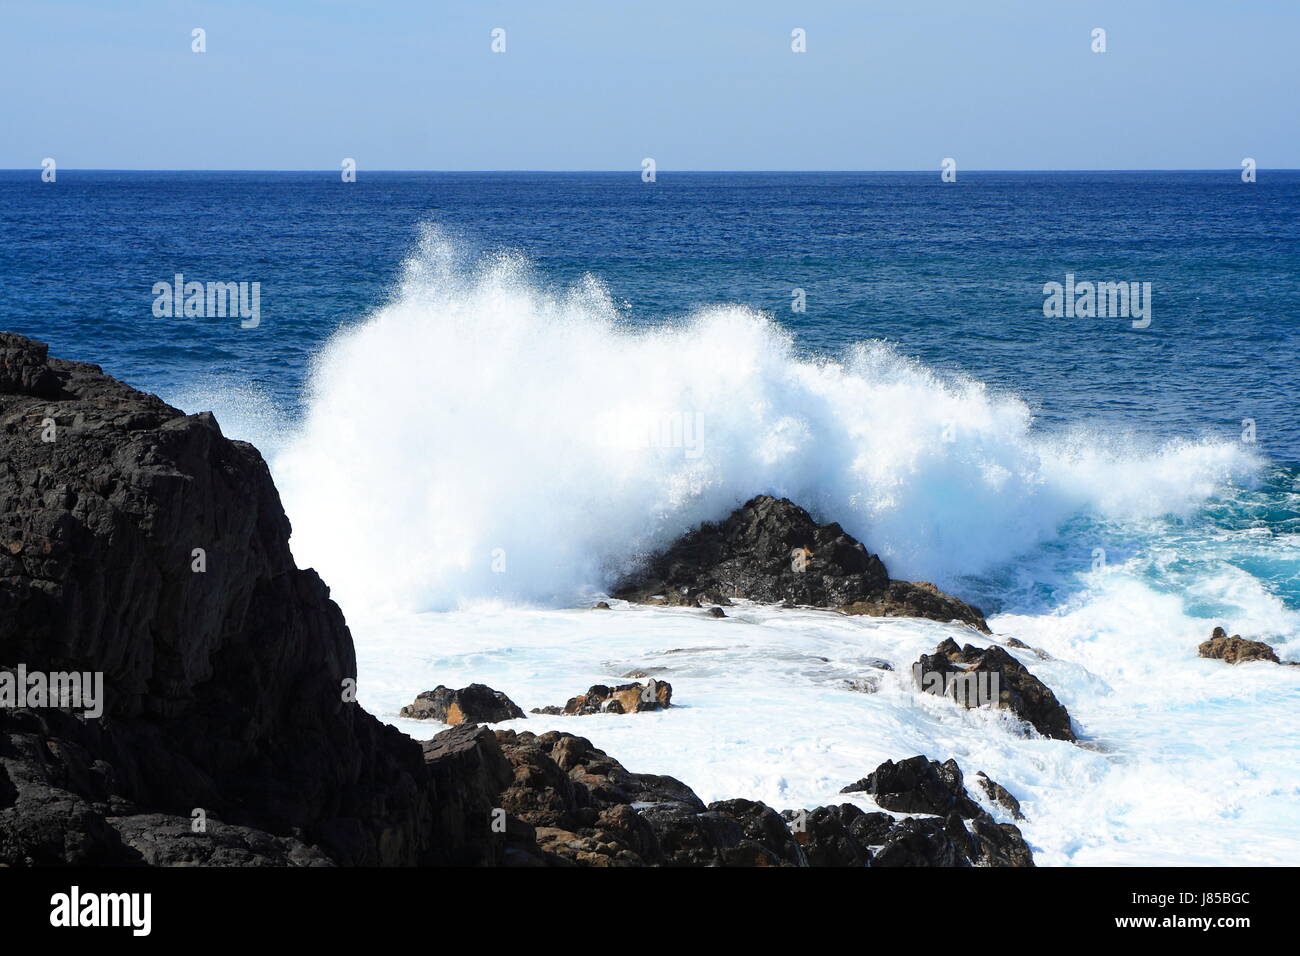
(140, 544)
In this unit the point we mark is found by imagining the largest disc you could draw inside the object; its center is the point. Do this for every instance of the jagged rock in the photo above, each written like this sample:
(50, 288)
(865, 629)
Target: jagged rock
(918, 785)
(844, 835)
(926, 841)
(601, 606)
(918, 599)
(25, 368)
(622, 825)
(825, 837)
(767, 841)
(560, 780)
(1017, 689)
(162, 840)
(691, 837)
(716, 611)
(475, 704)
(770, 550)
(468, 771)
(623, 699)
(224, 668)
(1235, 649)
(999, 844)
(999, 794)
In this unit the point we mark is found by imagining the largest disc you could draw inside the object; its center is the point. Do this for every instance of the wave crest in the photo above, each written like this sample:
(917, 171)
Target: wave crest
(482, 436)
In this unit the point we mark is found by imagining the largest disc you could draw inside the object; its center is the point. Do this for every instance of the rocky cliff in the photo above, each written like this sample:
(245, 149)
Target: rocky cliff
(138, 542)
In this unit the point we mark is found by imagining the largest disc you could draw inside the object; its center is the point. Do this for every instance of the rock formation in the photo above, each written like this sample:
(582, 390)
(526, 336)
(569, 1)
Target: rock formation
(770, 550)
(918, 785)
(475, 704)
(1016, 689)
(138, 543)
(623, 699)
(999, 795)
(1235, 649)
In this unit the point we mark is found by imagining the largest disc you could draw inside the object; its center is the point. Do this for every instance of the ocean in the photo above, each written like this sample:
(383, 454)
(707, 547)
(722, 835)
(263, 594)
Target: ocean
(486, 395)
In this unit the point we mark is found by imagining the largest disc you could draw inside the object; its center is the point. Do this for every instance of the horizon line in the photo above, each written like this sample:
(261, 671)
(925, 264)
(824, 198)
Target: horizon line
(634, 171)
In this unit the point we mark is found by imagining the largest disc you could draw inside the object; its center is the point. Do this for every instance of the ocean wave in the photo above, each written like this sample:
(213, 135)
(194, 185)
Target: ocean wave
(485, 436)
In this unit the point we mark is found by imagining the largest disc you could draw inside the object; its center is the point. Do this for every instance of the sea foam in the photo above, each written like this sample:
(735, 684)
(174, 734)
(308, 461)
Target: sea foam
(485, 436)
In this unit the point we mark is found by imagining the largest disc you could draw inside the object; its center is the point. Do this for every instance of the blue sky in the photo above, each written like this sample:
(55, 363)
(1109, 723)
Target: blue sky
(696, 85)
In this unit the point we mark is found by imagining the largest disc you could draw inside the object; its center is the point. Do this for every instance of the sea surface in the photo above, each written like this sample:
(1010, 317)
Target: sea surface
(486, 395)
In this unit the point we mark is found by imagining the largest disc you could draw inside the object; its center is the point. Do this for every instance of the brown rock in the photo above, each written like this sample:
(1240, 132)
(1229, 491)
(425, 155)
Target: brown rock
(1235, 649)
(623, 699)
(475, 704)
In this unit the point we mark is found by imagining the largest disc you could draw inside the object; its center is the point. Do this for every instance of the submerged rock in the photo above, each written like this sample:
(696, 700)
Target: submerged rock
(1235, 649)
(623, 699)
(770, 550)
(971, 674)
(475, 704)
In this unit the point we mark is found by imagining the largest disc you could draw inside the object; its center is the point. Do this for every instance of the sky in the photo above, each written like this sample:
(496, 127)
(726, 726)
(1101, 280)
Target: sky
(601, 85)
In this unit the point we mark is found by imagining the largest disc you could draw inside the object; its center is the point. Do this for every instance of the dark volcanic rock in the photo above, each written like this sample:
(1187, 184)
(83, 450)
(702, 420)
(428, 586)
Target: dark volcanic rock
(926, 841)
(766, 841)
(825, 835)
(999, 794)
(999, 844)
(225, 670)
(623, 699)
(918, 785)
(918, 599)
(591, 811)
(475, 704)
(162, 840)
(468, 771)
(1017, 689)
(770, 550)
(1235, 649)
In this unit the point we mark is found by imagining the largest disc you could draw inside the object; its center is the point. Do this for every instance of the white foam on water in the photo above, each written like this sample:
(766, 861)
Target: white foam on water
(485, 436)
(1183, 761)
(484, 452)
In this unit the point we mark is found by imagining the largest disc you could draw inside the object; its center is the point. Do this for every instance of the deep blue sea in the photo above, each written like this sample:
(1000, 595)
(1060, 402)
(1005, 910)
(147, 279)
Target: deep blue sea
(951, 272)
(484, 395)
